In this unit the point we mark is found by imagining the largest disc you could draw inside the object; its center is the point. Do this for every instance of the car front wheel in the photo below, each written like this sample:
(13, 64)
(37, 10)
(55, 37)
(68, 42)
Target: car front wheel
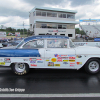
(20, 68)
(92, 66)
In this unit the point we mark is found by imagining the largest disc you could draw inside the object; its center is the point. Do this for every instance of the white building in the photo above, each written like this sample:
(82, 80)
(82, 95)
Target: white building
(52, 21)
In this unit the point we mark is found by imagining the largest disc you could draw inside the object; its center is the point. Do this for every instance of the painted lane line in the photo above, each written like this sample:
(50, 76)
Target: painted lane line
(50, 95)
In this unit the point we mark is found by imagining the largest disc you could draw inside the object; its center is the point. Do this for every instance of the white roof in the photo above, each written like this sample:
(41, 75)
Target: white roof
(53, 9)
(55, 21)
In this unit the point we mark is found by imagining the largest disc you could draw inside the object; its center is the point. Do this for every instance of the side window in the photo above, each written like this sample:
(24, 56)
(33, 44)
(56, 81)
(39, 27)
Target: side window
(34, 44)
(56, 43)
(71, 44)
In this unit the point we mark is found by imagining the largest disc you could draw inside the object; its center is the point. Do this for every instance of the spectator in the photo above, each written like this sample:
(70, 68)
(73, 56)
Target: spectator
(87, 38)
(83, 38)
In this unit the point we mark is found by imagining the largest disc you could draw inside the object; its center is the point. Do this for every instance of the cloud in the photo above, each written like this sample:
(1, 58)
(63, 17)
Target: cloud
(14, 12)
(43, 2)
(75, 3)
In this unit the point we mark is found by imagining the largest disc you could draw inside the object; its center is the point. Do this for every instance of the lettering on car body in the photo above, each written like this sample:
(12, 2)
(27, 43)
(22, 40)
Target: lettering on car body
(53, 59)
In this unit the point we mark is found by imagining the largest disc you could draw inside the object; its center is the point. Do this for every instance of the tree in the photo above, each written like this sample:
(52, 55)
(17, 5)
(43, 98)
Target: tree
(77, 31)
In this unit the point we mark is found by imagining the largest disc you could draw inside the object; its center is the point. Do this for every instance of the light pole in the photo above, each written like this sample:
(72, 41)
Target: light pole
(23, 28)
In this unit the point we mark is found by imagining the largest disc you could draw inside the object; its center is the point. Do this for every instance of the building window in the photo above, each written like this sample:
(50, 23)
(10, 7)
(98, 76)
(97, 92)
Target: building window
(54, 14)
(70, 35)
(70, 26)
(49, 25)
(41, 34)
(62, 34)
(59, 26)
(63, 26)
(60, 15)
(51, 14)
(70, 16)
(38, 25)
(38, 13)
(64, 15)
(54, 26)
(43, 13)
(44, 25)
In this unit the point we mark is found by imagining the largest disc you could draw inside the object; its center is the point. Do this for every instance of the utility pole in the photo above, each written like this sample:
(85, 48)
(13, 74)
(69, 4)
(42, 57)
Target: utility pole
(23, 28)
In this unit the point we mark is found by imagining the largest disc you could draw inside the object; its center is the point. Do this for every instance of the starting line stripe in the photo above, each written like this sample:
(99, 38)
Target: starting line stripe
(49, 95)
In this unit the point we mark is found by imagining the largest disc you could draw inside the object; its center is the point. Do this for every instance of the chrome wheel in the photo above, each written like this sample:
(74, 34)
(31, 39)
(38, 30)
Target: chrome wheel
(19, 67)
(93, 66)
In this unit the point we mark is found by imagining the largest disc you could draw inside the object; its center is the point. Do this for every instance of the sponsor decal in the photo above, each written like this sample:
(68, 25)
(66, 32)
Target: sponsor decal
(56, 55)
(2, 63)
(71, 60)
(32, 61)
(72, 63)
(7, 60)
(53, 59)
(1, 59)
(34, 65)
(50, 64)
(25, 59)
(58, 65)
(64, 57)
(65, 60)
(39, 61)
(59, 60)
(79, 63)
(47, 60)
(78, 56)
(71, 57)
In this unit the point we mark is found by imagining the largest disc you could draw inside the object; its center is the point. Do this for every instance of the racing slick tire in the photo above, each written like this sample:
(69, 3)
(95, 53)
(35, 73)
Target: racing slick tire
(92, 66)
(20, 68)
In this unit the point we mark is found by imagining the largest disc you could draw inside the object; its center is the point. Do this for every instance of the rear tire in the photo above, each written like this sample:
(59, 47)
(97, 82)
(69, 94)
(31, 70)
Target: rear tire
(92, 66)
(20, 68)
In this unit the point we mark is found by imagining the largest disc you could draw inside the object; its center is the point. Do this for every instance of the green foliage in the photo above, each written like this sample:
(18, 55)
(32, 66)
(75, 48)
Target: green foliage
(12, 30)
(78, 31)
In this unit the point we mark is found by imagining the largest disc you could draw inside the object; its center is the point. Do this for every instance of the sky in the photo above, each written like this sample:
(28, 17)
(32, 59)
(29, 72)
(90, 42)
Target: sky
(14, 12)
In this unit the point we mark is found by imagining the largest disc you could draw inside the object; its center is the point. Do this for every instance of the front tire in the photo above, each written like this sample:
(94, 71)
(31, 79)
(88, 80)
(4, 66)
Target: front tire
(92, 66)
(20, 68)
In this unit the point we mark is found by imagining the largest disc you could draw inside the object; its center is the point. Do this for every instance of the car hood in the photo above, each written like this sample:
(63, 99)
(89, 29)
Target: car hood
(87, 50)
(10, 47)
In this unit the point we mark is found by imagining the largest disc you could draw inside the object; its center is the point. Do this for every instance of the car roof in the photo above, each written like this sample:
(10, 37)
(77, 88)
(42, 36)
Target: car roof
(45, 36)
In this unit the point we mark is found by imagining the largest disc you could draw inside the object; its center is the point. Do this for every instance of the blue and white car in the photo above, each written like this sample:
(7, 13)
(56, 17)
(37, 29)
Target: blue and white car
(48, 51)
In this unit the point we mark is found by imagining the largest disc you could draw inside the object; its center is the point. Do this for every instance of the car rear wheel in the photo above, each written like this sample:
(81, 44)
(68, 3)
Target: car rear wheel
(20, 68)
(92, 66)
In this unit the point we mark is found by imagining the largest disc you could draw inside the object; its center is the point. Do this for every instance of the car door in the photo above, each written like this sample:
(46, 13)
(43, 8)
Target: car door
(59, 55)
(35, 50)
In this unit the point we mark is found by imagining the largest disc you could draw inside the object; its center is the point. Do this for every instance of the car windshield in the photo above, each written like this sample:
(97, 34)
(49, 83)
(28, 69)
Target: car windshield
(22, 42)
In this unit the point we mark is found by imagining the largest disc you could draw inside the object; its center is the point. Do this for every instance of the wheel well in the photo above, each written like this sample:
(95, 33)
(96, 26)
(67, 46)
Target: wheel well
(20, 62)
(90, 59)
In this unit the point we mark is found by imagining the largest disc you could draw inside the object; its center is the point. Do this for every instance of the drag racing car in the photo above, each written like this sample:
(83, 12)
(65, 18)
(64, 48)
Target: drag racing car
(48, 51)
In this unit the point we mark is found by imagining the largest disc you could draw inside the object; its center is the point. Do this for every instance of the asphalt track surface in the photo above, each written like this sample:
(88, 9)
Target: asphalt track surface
(49, 84)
